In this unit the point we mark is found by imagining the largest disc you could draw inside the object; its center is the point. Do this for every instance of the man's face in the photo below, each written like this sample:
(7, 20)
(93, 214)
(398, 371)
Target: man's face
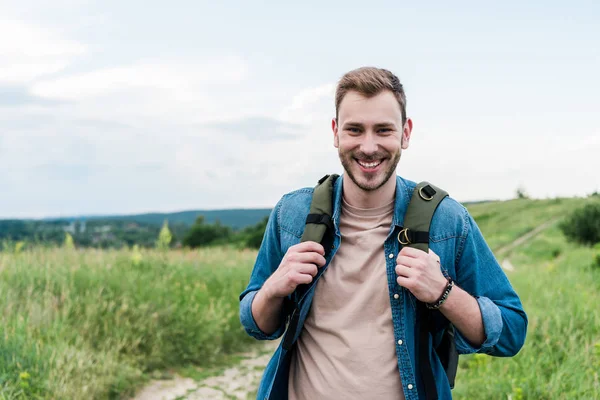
(369, 136)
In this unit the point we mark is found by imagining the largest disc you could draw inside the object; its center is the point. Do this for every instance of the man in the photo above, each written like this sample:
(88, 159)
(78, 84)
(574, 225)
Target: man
(356, 336)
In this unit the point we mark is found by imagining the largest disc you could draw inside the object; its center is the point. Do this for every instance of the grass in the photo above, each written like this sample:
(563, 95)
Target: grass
(98, 324)
(559, 284)
(95, 324)
(561, 355)
(504, 222)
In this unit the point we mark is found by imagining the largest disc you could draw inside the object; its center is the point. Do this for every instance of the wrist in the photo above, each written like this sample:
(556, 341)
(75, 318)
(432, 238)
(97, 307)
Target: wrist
(436, 304)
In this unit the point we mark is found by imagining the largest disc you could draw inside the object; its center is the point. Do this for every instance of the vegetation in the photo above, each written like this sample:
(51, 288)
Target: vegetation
(121, 232)
(561, 357)
(95, 324)
(583, 225)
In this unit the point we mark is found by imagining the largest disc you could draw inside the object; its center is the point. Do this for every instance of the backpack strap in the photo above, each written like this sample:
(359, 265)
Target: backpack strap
(319, 228)
(415, 233)
(319, 222)
(417, 220)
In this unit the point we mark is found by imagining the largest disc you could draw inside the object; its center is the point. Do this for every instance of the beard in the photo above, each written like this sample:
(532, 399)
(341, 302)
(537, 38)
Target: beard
(369, 181)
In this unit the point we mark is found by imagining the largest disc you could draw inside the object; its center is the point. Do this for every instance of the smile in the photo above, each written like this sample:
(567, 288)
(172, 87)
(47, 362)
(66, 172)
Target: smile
(369, 165)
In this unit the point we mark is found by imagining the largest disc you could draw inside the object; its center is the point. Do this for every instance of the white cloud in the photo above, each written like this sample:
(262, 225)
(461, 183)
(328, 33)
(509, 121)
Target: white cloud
(28, 51)
(309, 104)
(178, 76)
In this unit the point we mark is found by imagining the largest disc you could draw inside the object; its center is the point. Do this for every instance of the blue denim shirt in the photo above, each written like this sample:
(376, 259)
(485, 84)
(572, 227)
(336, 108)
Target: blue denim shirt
(464, 254)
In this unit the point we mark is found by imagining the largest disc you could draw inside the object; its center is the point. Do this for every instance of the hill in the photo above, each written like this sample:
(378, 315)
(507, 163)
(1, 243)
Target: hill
(234, 218)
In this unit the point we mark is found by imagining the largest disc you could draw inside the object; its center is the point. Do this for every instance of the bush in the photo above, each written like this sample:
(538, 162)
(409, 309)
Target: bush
(255, 234)
(583, 225)
(202, 234)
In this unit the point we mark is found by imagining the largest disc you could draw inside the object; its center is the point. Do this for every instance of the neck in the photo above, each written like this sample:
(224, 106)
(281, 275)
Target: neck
(360, 198)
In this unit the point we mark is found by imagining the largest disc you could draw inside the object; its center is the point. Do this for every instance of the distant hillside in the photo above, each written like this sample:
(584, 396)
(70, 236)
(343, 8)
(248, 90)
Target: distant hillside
(235, 218)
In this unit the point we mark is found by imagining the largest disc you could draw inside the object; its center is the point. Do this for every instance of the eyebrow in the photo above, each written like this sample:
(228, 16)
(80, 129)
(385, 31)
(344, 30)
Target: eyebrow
(376, 126)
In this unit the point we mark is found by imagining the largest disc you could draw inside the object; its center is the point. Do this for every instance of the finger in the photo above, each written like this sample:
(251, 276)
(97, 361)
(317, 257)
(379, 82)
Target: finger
(411, 252)
(300, 279)
(310, 269)
(309, 246)
(310, 258)
(406, 261)
(404, 282)
(404, 271)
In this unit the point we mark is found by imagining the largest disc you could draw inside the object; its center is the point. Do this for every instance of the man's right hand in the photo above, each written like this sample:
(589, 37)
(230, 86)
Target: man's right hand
(299, 266)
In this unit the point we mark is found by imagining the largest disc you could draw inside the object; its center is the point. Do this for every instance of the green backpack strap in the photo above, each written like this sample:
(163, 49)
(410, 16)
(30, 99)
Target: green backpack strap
(319, 228)
(417, 220)
(319, 222)
(415, 233)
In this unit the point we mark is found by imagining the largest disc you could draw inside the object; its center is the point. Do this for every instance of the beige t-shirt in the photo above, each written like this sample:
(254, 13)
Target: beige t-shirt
(347, 348)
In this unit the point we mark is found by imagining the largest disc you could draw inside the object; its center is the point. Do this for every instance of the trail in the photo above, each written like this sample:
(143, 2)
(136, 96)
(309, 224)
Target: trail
(240, 382)
(505, 250)
(526, 237)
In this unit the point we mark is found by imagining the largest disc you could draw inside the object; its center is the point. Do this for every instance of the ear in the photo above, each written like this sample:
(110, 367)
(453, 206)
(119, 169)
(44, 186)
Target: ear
(334, 128)
(406, 132)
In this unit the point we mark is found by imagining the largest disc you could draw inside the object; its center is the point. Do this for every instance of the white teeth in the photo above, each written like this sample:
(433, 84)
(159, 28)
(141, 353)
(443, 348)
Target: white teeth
(370, 165)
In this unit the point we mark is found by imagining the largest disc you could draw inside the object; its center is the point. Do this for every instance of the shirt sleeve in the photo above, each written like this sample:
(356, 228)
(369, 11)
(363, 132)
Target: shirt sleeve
(268, 259)
(480, 274)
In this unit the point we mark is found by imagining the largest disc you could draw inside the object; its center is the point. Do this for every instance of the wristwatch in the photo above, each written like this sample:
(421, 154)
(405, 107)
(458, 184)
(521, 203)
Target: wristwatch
(443, 297)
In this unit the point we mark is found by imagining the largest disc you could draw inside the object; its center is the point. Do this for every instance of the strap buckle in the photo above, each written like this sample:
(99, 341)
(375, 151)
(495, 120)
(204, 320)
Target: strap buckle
(427, 193)
(407, 240)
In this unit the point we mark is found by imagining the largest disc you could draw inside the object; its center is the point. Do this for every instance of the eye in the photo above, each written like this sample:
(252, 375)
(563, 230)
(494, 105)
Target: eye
(353, 129)
(384, 130)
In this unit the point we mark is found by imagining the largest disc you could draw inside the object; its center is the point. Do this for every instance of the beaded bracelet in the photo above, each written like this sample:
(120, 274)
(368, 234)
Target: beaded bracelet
(442, 299)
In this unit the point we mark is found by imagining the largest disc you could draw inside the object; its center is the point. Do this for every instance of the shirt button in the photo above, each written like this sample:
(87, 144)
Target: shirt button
(410, 386)
(391, 255)
(396, 296)
(400, 342)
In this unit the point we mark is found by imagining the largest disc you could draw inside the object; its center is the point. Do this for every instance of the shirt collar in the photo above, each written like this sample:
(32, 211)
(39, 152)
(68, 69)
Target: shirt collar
(400, 203)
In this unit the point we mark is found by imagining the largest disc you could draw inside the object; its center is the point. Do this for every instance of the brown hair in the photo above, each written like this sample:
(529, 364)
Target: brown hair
(370, 81)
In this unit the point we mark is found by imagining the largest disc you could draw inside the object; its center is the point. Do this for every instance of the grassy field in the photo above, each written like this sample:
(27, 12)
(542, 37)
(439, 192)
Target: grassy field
(92, 324)
(559, 284)
(96, 324)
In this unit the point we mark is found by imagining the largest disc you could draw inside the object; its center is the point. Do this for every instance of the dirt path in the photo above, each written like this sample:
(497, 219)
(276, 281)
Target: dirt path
(238, 382)
(505, 250)
(529, 235)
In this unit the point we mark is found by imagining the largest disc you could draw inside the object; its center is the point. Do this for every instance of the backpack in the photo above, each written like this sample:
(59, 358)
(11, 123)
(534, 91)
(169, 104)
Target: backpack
(415, 233)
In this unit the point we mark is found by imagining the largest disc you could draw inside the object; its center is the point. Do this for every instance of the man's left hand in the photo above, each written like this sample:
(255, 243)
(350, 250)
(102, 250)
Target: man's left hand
(420, 273)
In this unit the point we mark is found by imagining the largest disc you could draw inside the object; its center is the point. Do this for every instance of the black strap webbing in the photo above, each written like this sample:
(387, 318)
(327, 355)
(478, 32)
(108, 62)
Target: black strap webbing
(424, 362)
(408, 236)
(429, 191)
(320, 219)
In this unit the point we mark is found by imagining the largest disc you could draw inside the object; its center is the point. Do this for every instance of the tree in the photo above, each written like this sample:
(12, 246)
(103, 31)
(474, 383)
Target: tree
(255, 234)
(201, 234)
(521, 193)
(164, 237)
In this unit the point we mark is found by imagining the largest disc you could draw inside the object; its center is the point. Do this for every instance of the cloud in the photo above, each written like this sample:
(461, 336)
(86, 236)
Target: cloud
(29, 52)
(309, 104)
(13, 96)
(258, 128)
(181, 76)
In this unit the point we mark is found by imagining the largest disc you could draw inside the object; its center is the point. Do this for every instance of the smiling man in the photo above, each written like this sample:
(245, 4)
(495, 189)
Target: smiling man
(356, 333)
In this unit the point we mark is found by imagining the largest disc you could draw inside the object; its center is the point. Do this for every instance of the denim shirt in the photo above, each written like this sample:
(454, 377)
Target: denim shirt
(464, 254)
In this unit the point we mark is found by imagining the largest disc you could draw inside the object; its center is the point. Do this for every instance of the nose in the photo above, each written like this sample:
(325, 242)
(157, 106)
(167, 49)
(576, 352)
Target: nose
(368, 144)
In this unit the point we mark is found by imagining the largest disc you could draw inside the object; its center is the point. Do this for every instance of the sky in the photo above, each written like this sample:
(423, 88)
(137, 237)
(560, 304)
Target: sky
(113, 107)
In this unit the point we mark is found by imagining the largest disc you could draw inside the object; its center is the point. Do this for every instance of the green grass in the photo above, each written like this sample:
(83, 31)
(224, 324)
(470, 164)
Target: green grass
(559, 284)
(98, 324)
(95, 324)
(504, 222)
